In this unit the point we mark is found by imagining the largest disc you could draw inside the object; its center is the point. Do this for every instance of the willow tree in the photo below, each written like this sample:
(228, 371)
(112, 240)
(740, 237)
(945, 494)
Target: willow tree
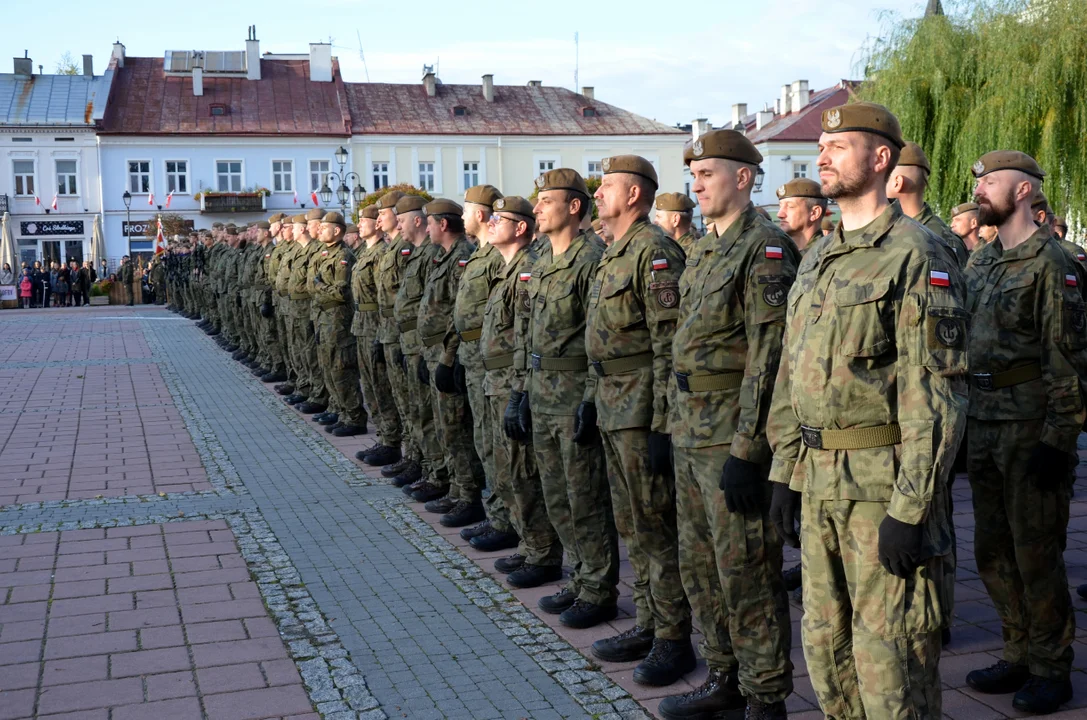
(990, 75)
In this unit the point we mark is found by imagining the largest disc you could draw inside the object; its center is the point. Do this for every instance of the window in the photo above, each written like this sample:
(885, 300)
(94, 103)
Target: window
(24, 177)
(459, 110)
(800, 170)
(177, 176)
(588, 112)
(63, 139)
(426, 176)
(139, 177)
(471, 174)
(381, 175)
(228, 175)
(594, 169)
(217, 110)
(22, 139)
(545, 165)
(282, 176)
(318, 174)
(66, 178)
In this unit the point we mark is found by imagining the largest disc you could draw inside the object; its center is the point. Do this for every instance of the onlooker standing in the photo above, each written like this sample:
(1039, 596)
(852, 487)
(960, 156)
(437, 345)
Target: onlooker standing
(60, 285)
(90, 277)
(26, 288)
(76, 284)
(127, 275)
(7, 277)
(39, 279)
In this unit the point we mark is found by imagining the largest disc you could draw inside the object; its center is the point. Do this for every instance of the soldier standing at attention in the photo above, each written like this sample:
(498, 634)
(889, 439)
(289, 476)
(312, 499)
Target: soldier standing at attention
(964, 223)
(907, 185)
(1060, 227)
(868, 409)
(309, 394)
(801, 211)
(1027, 339)
(282, 302)
(270, 305)
(674, 215)
(126, 275)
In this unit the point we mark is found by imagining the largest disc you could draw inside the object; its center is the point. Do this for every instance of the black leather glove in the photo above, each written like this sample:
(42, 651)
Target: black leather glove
(744, 484)
(785, 513)
(377, 353)
(460, 378)
(511, 417)
(443, 379)
(1049, 466)
(660, 454)
(899, 547)
(266, 310)
(585, 424)
(399, 359)
(422, 371)
(524, 418)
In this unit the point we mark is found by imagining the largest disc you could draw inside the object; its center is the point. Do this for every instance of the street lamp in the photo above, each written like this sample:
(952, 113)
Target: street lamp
(341, 179)
(760, 175)
(127, 197)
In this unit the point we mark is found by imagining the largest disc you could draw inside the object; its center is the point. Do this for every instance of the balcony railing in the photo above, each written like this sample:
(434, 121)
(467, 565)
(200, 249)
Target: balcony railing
(3, 203)
(232, 202)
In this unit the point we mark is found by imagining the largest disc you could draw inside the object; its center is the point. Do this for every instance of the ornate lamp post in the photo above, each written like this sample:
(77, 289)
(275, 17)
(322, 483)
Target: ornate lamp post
(127, 197)
(343, 192)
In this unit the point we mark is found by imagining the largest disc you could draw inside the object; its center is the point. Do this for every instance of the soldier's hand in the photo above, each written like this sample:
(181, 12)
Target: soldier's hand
(660, 454)
(377, 353)
(585, 424)
(524, 418)
(510, 418)
(899, 547)
(266, 310)
(399, 359)
(785, 512)
(1049, 466)
(444, 380)
(744, 483)
(422, 372)
(460, 377)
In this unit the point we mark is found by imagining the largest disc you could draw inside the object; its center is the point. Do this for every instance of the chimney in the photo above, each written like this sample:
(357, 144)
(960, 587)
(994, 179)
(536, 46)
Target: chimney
(24, 65)
(118, 54)
(535, 83)
(430, 82)
(252, 55)
(786, 94)
(88, 65)
(320, 62)
(739, 112)
(198, 81)
(588, 92)
(763, 118)
(488, 88)
(699, 127)
(799, 94)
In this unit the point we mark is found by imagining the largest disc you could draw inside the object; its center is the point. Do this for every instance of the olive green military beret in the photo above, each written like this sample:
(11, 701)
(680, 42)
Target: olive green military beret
(250, 224)
(598, 225)
(800, 187)
(913, 155)
(727, 144)
(231, 230)
(864, 117)
(315, 214)
(333, 218)
(278, 217)
(514, 204)
(674, 202)
(963, 208)
(1059, 222)
(231, 225)
(352, 229)
(1039, 201)
(299, 219)
(441, 206)
(264, 225)
(827, 225)
(409, 203)
(1006, 160)
(482, 195)
(631, 164)
(217, 226)
(562, 179)
(389, 200)
(369, 212)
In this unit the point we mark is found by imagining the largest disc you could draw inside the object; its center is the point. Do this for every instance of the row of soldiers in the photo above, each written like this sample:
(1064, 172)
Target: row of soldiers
(708, 399)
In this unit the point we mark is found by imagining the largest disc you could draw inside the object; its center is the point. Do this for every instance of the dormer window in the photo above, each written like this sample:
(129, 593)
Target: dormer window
(217, 110)
(588, 111)
(459, 110)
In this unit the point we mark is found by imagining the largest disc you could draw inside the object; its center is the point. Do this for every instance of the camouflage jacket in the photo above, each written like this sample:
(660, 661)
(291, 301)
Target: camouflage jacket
(686, 241)
(388, 285)
(633, 306)
(475, 284)
(298, 286)
(271, 266)
(330, 271)
(1075, 252)
(558, 297)
(125, 274)
(504, 321)
(413, 278)
(1028, 309)
(364, 289)
(731, 318)
(948, 238)
(158, 273)
(251, 263)
(875, 335)
(283, 273)
(440, 294)
(219, 254)
(232, 271)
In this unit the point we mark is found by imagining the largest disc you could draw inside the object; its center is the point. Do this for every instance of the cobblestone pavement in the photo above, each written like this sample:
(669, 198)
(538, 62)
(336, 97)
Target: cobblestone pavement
(176, 542)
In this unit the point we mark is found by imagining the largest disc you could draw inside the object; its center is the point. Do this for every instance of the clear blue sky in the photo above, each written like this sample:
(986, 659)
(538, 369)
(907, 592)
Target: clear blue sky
(670, 61)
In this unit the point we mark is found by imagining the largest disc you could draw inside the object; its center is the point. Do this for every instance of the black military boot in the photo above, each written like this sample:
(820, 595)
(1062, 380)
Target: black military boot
(285, 389)
(1042, 696)
(349, 430)
(1003, 677)
(396, 468)
(633, 644)
(1082, 591)
(668, 661)
(380, 455)
(792, 578)
(495, 539)
(441, 505)
(530, 576)
(758, 710)
(412, 487)
(465, 512)
(252, 363)
(719, 694)
(430, 491)
(412, 474)
(311, 408)
(230, 347)
(507, 565)
(212, 331)
(945, 637)
(294, 399)
(333, 427)
(259, 371)
(239, 354)
(475, 531)
(555, 604)
(584, 614)
(326, 418)
(274, 376)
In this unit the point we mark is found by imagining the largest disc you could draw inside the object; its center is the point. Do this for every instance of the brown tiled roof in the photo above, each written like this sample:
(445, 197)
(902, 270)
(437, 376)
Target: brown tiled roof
(804, 125)
(284, 101)
(397, 109)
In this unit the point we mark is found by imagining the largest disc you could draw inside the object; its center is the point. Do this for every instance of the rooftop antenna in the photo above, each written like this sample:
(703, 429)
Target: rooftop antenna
(362, 56)
(576, 60)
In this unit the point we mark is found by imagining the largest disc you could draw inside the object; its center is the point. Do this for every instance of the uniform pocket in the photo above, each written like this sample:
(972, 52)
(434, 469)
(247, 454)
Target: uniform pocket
(861, 309)
(618, 305)
(1015, 302)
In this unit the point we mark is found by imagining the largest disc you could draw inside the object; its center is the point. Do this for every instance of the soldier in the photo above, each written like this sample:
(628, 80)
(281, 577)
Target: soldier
(867, 412)
(907, 185)
(463, 504)
(964, 223)
(1027, 339)
(827, 226)
(561, 395)
(281, 302)
(309, 395)
(726, 351)
(264, 293)
(158, 279)
(1060, 227)
(1044, 217)
(674, 215)
(505, 320)
(366, 328)
(125, 275)
(801, 210)
(328, 415)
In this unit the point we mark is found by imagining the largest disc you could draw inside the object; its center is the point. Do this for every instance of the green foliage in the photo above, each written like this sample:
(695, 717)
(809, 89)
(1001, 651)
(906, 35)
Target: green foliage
(67, 66)
(102, 287)
(171, 225)
(992, 75)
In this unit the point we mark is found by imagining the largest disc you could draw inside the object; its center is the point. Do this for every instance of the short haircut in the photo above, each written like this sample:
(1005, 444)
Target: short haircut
(872, 141)
(456, 222)
(586, 203)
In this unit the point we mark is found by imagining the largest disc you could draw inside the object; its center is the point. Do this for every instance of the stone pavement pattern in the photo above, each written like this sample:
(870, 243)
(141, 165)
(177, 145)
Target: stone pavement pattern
(319, 568)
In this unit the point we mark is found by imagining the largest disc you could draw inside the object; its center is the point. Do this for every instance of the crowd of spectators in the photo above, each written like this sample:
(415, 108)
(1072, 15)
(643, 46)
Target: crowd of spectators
(54, 286)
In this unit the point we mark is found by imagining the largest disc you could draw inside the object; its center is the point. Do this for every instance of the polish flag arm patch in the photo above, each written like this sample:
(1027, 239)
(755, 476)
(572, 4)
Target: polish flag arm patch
(462, 263)
(343, 262)
(405, 251)
(525, 276)
(660, 264)
(773, 252)
(1070, 281)
(939, 279)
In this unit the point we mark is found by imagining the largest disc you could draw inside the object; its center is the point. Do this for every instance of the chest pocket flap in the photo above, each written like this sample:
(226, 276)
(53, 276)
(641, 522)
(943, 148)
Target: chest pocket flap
(861, 307)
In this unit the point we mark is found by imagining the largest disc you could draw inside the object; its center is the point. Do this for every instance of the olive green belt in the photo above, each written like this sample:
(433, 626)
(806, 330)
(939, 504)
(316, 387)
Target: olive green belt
(473, 334)
(366, 307)
(432, 340)
(497, 362)
(386, 313)
(855, 439)
(1015, 376)
(709, 381)
(326, 304)
(623, 364)
(299, 296)
(407, 325)
(570, 364)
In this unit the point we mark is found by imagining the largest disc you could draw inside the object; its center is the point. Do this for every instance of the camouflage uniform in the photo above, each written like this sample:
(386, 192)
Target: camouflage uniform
(331, 272)
(1029, 335)
(573, 476)
(273, 257)
(947, 237)
(281, 300)
(686, 241)
(516, 479)
(389, 271)
(251, 262)
(366, 328)
(868, 410)
(158, 280)
(726, 351)
(310, 381)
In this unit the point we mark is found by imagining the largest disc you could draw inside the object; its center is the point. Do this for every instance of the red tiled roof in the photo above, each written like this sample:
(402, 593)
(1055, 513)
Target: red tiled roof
(284, 101)
(804, 125)
(397, 109)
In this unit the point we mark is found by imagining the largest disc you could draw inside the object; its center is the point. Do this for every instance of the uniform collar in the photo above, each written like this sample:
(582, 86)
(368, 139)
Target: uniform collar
(620, 245)
(561, 262)
(872, 234)
(732, 233)
(514, 264)
(1027, 249)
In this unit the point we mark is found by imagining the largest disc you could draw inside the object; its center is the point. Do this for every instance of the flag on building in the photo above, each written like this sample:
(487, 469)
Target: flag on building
(169, 197)
(54, 201)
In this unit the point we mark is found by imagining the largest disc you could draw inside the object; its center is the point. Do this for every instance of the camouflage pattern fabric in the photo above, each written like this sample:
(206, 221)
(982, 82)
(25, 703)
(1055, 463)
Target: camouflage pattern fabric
(366, 327)
(310, 381)
(954, 244)
(388, 274)
(336, 345)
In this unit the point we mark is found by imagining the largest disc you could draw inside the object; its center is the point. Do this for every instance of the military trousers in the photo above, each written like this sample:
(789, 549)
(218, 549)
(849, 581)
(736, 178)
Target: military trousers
(282, 306)
(871, 639)
(310, 383)
(377, 392)
(474, 373)
(398, 381)
(575, 490)
(453, 418)
(424, 426)
(644, 505)
(731, 569)
(268, 334)
(1020, 533)
(339, 364)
